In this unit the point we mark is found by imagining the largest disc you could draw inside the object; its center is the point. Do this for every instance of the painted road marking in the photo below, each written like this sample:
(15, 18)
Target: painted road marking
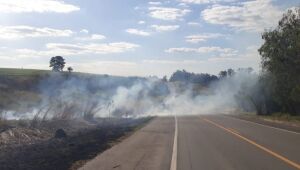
(280, 129)
(235, 131)
(278, 156)
(174, 153)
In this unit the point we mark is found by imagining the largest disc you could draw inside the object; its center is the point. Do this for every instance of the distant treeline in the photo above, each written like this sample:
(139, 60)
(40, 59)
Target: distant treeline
(278, 85)
(205, 79)
(184, 76)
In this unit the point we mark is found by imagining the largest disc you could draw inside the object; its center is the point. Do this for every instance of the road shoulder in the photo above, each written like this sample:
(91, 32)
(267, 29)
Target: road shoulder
(284, 125)
(148, 148)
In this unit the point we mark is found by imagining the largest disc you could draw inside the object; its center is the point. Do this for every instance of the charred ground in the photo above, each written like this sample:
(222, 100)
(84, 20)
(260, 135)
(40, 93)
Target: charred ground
(43, 150)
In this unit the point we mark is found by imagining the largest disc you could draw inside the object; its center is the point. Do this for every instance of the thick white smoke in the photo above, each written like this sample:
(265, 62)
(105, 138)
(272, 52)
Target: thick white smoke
(135, 97)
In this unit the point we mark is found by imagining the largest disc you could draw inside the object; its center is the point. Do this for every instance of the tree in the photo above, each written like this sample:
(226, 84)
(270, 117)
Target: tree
(70, 69)
(57, 63)
(223, 74)
(248, 70)
(281, 61)
(165, 79)
(203, 79)
(230, 72)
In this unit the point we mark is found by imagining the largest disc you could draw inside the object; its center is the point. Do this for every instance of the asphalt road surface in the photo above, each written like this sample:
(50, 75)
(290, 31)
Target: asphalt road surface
(210, 142)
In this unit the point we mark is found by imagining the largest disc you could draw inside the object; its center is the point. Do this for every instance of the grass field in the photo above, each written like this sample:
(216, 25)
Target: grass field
(21, 72)
(34, 72)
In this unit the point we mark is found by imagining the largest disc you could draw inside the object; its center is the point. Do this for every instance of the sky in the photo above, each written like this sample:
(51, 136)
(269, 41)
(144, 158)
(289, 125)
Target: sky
(137, 37)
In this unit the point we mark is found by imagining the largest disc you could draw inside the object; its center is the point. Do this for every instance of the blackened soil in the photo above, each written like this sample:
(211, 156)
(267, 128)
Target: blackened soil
(61, 154)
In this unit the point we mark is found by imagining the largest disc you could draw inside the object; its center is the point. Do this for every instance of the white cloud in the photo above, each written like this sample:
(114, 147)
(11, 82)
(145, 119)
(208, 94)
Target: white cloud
(123, 68)
(19, 6)
(194, 23)
(250, 56)
(85, 31)
(21, 31)
(205, 1)
(183, 5)
(172, 62)
(164, 13)
(202, 37)
(137, 32)
(108, 63)
(162, 28)
(224, 51)
(92, 37)
(97, 37)
(154, 3)
(64, 49)
(94, 48)
(249, 16)
(141, 22)
(7, 58)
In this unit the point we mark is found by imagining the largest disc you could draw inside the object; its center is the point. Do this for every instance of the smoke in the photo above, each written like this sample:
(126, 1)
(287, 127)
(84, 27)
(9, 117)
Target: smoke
(66, 96)
(219, 97)
(186, 99)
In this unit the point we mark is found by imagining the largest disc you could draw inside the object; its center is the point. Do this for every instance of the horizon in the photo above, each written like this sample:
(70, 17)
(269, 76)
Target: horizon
(137, 38)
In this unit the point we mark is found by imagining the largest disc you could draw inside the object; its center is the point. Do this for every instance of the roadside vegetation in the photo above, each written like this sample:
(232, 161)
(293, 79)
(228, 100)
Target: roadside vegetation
(276, 91)
(278, 87)
(48, 118)
(36, 106)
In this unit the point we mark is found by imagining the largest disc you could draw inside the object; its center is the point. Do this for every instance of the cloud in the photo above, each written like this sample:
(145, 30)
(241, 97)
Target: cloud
(65, 49)
(202, 37)
(92, 37)
(250, 56)
(92, 48)
(7, 58)
(97, 37)
(112, 67)
(154, 3)
(183, 5)
(137, 32)
(162, 28)
(107, 64)
(254, 15)
(205, 1)
(164, 13)
(21, 31)
(40, 6)
(141, 22)
(194, 23)
(172, 62)
(85, 31)
(224, 51)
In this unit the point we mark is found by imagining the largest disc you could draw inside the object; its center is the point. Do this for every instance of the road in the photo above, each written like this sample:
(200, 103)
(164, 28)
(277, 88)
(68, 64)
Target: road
(210, 142)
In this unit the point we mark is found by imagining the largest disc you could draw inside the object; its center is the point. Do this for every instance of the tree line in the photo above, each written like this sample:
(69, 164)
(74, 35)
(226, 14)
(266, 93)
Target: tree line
(278, 85)
(280, 53)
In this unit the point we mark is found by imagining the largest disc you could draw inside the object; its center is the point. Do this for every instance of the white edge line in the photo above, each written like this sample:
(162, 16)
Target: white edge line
(174, 153)
(284, 130)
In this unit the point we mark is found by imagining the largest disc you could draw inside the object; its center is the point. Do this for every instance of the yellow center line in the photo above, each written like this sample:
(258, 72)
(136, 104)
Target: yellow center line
(284, 159)
(233, 130)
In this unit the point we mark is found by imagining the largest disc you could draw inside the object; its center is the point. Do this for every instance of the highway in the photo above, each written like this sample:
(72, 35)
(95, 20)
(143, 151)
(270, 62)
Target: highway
(208, 142)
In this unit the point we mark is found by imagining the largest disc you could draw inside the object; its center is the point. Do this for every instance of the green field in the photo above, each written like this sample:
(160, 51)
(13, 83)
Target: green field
(33, 72)
(21, 72)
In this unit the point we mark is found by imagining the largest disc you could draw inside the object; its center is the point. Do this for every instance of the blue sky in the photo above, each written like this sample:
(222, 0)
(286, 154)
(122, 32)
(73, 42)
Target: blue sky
(136, 37)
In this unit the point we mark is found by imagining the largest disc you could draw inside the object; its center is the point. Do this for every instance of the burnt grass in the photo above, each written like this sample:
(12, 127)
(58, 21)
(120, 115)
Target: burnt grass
(61, 154)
